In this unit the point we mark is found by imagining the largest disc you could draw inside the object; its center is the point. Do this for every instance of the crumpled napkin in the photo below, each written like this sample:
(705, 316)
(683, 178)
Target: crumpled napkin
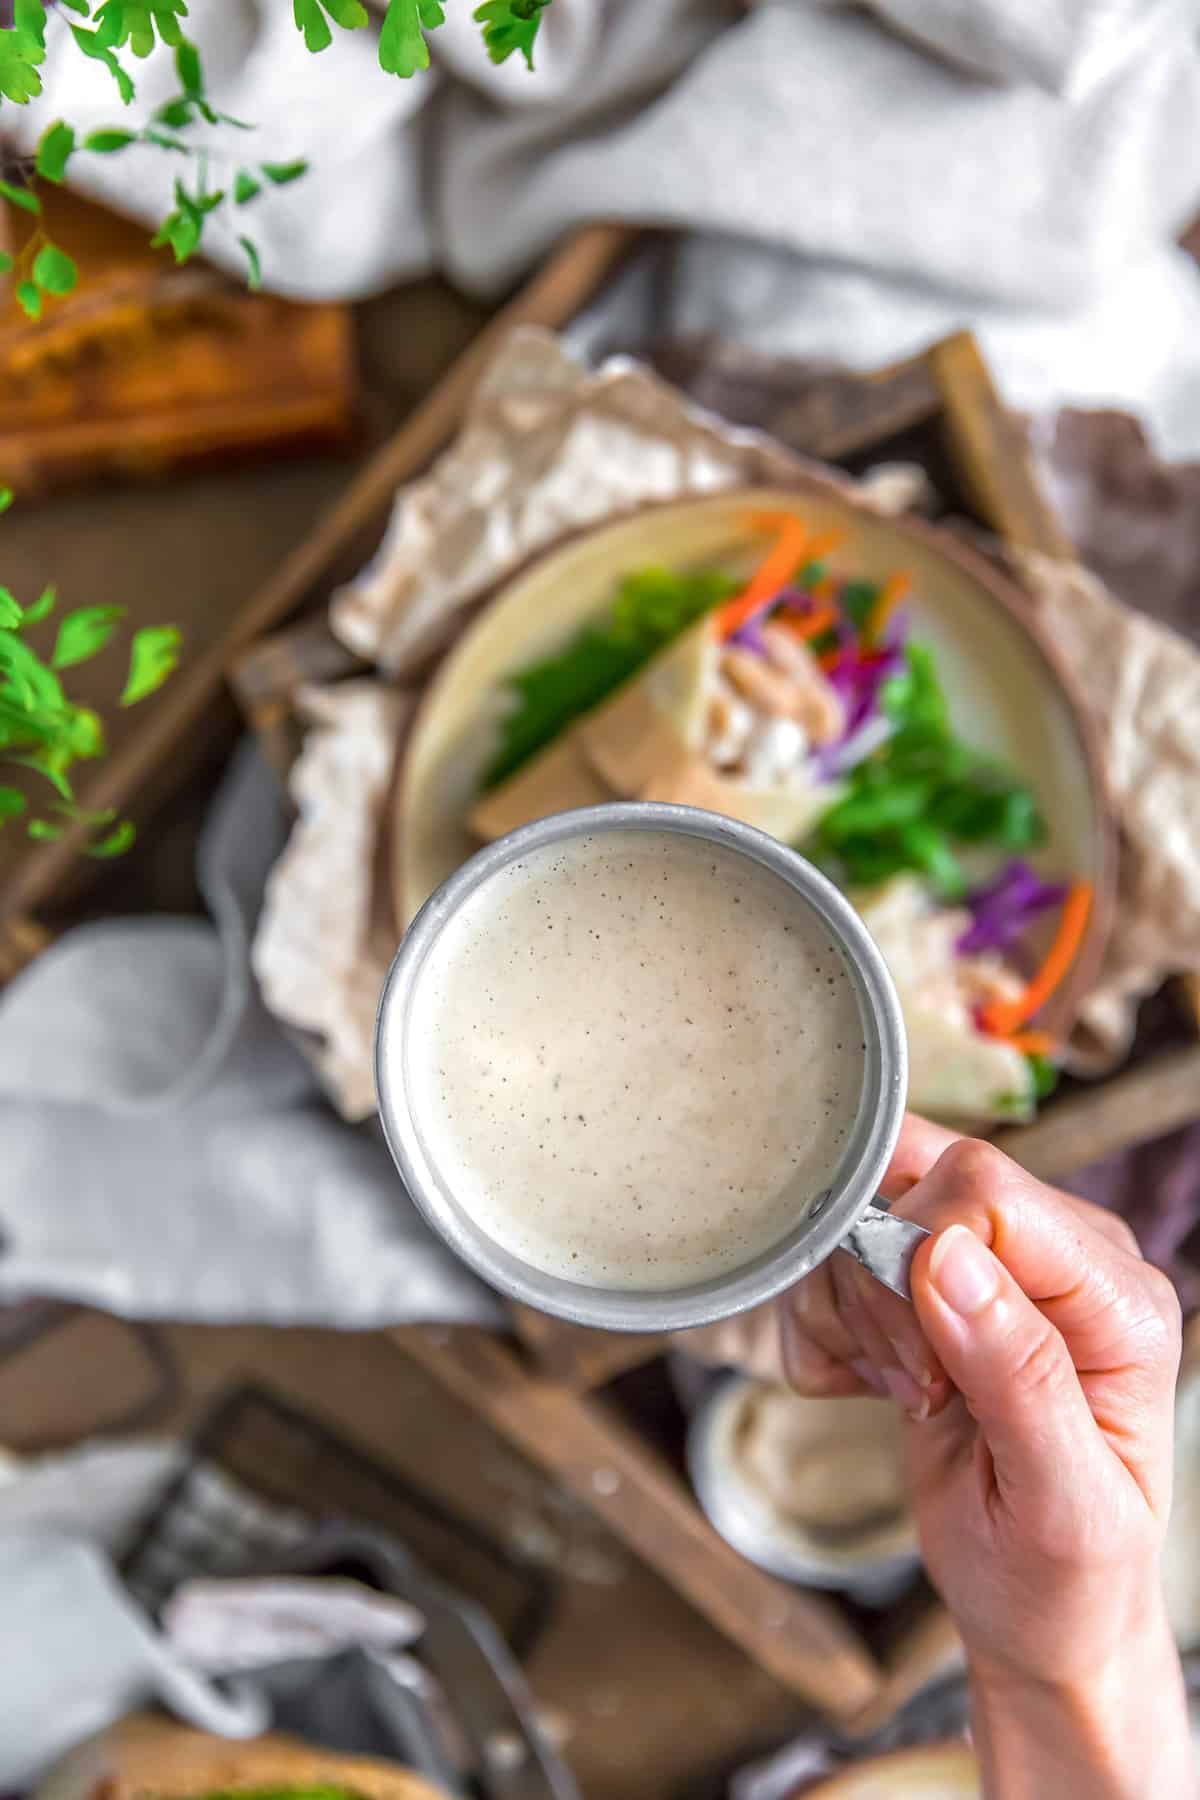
(224, 1625)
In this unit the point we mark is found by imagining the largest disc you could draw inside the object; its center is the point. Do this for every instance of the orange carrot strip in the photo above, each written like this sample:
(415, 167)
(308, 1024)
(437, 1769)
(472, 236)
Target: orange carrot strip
(808, 625)
(771, 576)
(1003, 1017)
(1033, 1043)
(824, 544)
(774, 522)
(893, 591)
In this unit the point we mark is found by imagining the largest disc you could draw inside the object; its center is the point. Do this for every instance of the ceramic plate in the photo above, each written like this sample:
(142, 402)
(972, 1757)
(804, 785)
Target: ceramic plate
(1006, 691)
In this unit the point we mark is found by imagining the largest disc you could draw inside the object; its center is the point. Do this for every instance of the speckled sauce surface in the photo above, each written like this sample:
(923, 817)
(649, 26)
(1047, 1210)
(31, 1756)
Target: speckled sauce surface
(635, 1058)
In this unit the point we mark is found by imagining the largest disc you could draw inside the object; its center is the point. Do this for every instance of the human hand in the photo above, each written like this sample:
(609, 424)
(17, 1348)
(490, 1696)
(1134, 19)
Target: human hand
(1038, 1363)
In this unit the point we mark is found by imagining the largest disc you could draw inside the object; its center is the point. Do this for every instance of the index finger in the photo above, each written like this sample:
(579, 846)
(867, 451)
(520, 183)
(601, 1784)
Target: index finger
(918, 1147)
(922, 1143)
(1087, 1277)
(938, 1178)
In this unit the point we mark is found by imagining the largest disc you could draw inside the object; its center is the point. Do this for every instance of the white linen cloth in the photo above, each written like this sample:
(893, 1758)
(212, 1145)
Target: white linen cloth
(166, 1149)
(854, 181)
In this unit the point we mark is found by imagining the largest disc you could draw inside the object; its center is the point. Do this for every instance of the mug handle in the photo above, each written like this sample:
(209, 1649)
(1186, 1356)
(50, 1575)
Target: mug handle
(885, 1246)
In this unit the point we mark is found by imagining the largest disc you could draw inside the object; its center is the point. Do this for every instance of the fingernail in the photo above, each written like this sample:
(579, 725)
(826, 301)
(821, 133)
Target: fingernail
(870, 1377)
(963, 1271)
(913, 1361)
(906, 1392)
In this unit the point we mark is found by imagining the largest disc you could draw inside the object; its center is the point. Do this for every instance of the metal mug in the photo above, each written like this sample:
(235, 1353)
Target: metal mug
(844, 1216)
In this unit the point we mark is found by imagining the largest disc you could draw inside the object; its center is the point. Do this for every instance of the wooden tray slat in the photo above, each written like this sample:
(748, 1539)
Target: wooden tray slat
(797, 1636)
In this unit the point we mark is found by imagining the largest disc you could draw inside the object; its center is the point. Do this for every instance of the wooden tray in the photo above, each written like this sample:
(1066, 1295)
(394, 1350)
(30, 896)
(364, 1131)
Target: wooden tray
(540, 1395)
(543, 1395)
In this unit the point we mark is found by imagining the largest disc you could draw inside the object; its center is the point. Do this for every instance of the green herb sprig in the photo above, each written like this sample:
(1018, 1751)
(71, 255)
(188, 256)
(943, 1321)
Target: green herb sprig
(42, 729)
(923, 795)
(119, 29)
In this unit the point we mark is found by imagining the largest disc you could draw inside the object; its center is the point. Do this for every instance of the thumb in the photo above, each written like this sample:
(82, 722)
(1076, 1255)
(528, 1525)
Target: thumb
(1012, 1368)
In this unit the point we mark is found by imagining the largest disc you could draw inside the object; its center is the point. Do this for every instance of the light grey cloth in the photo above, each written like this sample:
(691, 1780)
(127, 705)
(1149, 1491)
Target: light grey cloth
(79, 1650)
(76, 1653)
(166, 1151)
(855, 180)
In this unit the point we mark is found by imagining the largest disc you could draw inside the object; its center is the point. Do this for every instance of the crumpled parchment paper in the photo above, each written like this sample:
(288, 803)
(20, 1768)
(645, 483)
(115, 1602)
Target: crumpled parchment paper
(326, 936)
(1143, 684)
(549, 446)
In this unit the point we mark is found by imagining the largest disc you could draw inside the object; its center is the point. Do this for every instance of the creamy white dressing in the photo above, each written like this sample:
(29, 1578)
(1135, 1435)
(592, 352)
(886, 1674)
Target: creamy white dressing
(635, 1058)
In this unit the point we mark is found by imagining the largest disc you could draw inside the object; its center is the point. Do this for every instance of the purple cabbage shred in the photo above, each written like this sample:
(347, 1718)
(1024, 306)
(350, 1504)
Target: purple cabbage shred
(1003, 909)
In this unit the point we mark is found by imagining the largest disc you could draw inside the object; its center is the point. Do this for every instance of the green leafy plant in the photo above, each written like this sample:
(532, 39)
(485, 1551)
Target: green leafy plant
(117, 30)
(43, 729)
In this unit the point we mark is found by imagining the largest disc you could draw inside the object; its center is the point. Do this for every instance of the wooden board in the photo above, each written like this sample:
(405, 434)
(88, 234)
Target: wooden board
(147, 368)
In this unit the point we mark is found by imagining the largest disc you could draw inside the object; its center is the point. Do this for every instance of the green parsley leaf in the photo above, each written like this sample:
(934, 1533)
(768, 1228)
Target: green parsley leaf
(402, 46)
(10, 613)
(42, 607)
(27, 683)
(349, 14)
(110, 22)
(50, 763)
(116, 843)
(6, 499)
(54, 271)
(165, 142)
(29, 18)
(83, 634)
(510, 25)
(54, 151)
(20, 196)
(245, 188)
(43, 831)
(83, 733)
(153, 654)
(187, 67)
(182, 231)
(80, 7)
(6, 262)
(282, 173)
(177, 113)
(254, 278)
(29, 300)
(312, 22)
(12, 803)
(104, 143)
(93, 44)
(139, 22)
(22, 50)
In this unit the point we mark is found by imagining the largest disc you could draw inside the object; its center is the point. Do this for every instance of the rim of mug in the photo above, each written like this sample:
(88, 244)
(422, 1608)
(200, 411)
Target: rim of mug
(824, 1222)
